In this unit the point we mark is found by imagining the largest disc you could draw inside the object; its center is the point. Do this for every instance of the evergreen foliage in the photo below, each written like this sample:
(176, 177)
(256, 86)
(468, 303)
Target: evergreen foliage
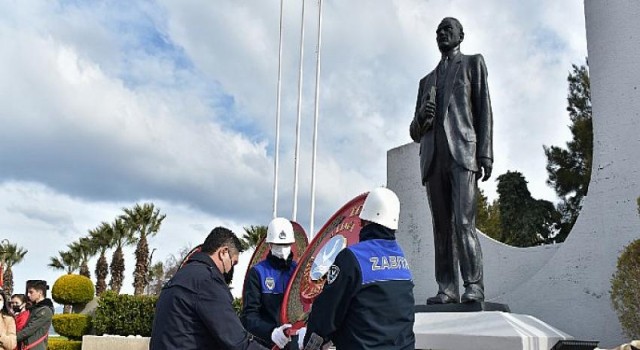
(569, 168)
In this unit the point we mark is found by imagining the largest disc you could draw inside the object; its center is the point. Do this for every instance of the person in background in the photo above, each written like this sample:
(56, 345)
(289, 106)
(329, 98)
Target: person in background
(194, 311)
(20, 312)
(266, 284)
(34, 336)
(7, 324)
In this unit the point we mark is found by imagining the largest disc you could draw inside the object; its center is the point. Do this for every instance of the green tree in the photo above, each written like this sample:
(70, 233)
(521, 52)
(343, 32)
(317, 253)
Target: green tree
(143, 221)
(120, 237)
(66, 261)
(625, 294)
(85, 250)
(524, 221)
(488, 216)
(569, 168)
(12, 254)
(101, 238)
(252, 236)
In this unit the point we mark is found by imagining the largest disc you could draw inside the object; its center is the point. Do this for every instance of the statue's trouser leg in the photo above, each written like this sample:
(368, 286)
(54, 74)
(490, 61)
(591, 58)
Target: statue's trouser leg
(446, 264)
(464, 188)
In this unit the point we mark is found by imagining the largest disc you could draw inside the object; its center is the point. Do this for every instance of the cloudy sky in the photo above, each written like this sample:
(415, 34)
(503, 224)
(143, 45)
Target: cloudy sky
(104, 104)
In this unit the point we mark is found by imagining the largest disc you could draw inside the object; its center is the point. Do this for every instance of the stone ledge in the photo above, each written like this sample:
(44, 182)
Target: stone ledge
(92, 342)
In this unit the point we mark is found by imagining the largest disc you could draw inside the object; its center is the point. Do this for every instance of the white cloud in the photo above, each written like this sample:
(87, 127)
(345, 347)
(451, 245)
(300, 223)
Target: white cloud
(105, 105)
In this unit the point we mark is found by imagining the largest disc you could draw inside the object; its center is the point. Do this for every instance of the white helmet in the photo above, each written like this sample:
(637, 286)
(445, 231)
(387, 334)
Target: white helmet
(382, 206)
(280, 231)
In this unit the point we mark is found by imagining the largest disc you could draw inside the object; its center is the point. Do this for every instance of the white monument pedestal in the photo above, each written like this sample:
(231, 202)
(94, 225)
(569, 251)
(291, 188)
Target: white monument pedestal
(489, 330)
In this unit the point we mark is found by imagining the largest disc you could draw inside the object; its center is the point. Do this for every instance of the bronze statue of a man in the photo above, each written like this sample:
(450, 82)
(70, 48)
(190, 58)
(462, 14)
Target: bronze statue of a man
(453, 123)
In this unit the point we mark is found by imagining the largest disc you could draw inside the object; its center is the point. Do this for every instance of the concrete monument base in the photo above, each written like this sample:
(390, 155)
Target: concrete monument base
(92, 342)
(490, 330)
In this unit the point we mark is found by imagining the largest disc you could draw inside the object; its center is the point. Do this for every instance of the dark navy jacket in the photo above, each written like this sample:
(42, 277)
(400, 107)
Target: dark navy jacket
(194, 311)
(263, 293)
(368, 300)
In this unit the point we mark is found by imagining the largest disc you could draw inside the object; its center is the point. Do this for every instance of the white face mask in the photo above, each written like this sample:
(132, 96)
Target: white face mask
(281, 252)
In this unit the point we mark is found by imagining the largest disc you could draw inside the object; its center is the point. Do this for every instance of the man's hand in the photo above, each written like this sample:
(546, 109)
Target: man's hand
(278, 336)
(486, 165)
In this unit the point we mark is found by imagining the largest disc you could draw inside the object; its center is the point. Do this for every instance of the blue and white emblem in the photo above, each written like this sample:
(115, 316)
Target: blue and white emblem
(334, 271)
(270, 283)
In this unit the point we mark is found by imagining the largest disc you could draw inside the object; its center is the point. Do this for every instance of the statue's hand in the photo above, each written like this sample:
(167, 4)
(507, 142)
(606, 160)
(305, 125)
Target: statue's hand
(486, 165)
(426, 114)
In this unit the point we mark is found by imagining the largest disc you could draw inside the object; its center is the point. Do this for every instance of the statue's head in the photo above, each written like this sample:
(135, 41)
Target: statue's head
(449, 34)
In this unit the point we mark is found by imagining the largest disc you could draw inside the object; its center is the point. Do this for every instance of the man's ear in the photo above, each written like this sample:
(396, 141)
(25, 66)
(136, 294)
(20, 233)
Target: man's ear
(461, 36)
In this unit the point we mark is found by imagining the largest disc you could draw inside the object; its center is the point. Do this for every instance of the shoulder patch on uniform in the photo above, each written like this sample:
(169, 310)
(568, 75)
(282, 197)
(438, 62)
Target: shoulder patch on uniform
(270, 283)
(334, 271)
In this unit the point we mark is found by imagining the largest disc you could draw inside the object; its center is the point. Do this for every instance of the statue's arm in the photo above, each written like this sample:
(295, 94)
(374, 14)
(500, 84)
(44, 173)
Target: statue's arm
(482, 112)
(415, 129)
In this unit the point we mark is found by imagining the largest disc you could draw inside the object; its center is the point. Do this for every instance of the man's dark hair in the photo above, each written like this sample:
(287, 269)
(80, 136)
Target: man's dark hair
(38, 285)
(221, 237)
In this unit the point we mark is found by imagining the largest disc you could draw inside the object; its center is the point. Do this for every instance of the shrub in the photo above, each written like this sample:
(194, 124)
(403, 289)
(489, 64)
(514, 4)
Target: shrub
(72, 326)
(62, 344)
(124, 314)
(72, 289)
(625, 294)
(237, 305)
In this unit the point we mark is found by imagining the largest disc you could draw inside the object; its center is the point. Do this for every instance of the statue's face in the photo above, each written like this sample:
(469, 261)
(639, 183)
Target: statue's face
(448, 35)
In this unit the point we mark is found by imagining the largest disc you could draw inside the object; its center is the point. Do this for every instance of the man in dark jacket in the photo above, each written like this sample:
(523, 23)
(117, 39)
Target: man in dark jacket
(266, 284)
(195, 309)
(368, 300)
(34, 335)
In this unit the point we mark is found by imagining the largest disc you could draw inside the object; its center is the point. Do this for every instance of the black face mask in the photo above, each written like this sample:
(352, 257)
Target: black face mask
(228, 276)
(16, 308)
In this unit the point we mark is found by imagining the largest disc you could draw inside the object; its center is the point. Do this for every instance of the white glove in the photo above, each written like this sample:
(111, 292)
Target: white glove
(301, 333)
(278, 336)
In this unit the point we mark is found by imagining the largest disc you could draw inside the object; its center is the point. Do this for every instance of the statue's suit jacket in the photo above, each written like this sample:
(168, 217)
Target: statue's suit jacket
(468, 119)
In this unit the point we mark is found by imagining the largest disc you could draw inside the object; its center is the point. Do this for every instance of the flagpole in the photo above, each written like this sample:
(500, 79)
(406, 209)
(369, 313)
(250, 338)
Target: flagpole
(297, 150)
(315, 124)
(277, 150)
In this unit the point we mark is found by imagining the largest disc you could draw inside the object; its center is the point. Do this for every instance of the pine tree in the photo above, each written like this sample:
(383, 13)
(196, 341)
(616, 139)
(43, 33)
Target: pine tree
(569, 168)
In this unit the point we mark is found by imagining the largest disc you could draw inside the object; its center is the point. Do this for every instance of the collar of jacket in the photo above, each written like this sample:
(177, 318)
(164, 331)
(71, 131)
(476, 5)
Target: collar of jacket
(46, 302)
(451, 55)
(376, 231)
(279, 263)
(203, 258)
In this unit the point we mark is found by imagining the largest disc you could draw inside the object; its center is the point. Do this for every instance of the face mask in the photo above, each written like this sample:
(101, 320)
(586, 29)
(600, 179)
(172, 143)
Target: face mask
(228, 275)
(17, 308)
(281, 252)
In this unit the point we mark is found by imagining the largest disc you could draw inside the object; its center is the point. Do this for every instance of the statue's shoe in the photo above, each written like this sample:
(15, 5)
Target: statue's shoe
(442, 298)
(472, 294)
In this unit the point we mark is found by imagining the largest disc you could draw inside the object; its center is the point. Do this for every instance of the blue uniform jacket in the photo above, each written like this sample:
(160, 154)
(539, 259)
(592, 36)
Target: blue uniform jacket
(368, 300)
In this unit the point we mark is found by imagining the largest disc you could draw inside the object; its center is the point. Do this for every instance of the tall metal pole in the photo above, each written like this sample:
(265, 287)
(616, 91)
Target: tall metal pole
(277, 150)
(315, 124)
(297, 151)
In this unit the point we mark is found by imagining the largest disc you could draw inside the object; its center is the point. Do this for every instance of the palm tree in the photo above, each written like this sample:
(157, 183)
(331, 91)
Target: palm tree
(120, 237)
(85, 250)
(11, 255)
(143, 221)
(101, 238)
(253, 235)
(67, 261)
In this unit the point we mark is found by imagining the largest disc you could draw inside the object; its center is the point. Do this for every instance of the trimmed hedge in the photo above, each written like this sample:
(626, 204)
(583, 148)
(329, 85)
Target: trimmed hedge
(625, 294)
(61, 344)
(72, 326)
(124, 314)
(72, 289)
